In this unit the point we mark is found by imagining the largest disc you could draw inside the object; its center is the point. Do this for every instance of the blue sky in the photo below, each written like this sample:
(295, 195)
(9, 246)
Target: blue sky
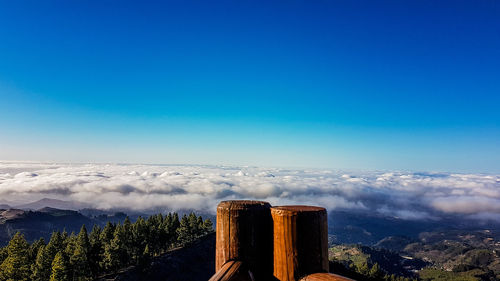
(410, 85)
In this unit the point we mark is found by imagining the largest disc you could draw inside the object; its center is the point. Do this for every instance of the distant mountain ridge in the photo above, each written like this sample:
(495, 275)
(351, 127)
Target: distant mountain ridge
(41, 223)
(53, 203)
(353, 227)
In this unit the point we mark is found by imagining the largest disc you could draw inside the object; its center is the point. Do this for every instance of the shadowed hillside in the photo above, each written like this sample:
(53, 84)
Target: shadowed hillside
(41, 223)
(195, 262)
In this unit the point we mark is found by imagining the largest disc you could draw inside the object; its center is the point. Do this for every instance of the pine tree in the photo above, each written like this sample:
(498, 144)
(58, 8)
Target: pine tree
(64, 236)
(184, 231)
(208, 227)
(96, 250)
(115, 255)
(201, 230)
(128, 236)
(151, 234)
(139, 238)
(175, 222)
(156, 234)
(107, 233)
(34, 247)
(67, 240)
(80, 258)
(69, 243)
(60, 268)
(106, 236)
(42, 267)
(145, 258)
(16, 266)
(165, 232)
(193, 226)
(55, 245)
(171, 225)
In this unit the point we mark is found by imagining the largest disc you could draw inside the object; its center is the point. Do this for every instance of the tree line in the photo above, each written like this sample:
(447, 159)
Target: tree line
(85, 256)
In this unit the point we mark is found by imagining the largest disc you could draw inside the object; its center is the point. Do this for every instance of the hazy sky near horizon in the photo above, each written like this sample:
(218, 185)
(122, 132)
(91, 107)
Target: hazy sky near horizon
(396, 85)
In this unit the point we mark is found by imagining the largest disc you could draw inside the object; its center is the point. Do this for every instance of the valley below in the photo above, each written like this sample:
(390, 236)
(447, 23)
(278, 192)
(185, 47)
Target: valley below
(361, 244)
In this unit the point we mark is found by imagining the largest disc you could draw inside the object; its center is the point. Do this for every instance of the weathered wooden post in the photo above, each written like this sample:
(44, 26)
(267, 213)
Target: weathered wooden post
(300, 241)
(233, 271)
(255, 242)
(325, 277)
(244, 233)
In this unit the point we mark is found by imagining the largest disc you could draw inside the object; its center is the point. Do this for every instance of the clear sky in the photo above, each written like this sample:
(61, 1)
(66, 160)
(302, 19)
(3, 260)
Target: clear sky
(336, 84)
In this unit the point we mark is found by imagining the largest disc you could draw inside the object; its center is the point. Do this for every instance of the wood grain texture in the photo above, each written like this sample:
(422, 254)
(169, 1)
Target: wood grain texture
(300, 245)
(325, 277)
(244, 233)
(232, 271)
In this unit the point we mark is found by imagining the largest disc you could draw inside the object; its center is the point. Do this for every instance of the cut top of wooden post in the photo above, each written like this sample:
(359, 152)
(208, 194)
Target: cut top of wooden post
(242, 205)
(297, 209)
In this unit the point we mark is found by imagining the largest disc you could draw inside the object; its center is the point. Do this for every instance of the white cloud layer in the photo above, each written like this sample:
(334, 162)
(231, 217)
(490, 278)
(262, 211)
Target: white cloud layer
(144, 187)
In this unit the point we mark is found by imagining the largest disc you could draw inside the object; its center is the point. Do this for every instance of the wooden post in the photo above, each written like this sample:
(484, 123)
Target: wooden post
(232, 271)
(244, 233)
(325, 277)
(300, 241)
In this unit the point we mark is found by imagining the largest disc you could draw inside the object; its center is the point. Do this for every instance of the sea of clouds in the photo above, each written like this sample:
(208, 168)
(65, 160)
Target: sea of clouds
(407, 195)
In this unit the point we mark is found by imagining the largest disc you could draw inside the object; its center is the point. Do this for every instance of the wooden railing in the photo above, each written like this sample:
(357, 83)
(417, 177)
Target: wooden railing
(258, 242)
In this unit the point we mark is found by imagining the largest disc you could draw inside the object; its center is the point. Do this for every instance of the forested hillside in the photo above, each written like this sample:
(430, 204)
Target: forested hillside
(86, 256)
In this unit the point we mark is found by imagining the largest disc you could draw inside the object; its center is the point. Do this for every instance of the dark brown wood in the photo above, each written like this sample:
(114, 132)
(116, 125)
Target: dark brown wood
(300, 241)
(244, 233)
(232, 271)
(325, 277)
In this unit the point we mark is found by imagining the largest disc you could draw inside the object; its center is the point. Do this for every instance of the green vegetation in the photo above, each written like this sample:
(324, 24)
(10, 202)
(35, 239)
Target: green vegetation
(365, 272)
(60, 268)
(453, 255)
(441, 275)
(85, 256)
(364, 263)
(17, 264)
(458, 255)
